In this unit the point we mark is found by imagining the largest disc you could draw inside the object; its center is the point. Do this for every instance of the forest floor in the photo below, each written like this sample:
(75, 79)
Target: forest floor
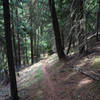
(51, 79)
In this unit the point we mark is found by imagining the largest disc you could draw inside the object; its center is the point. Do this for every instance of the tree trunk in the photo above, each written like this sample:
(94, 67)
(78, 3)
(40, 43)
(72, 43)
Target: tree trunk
(69, 46)
(31, 39)
(27, 62)
(82, 32)
(18, 37)
(62, 33)
(14, 41)
(98, 21)
(32, 55)
(13, 83)
(56, 30)
(14, 48)
(31, 32)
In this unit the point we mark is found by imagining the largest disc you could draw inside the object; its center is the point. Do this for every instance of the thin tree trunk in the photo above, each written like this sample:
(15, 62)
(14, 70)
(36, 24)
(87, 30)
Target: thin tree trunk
(82, 32)
(56, 30)
(32, 55)
(14, 48)
(62, 34)
(14, 41)
(13, 83)
(18, 37)
(69, 46)
(27, 62)
(19, 54)
(38, 43)
(98, 21)
(13, 38)
(35, 51)
(31, 32)
(31, 39)
(62, 37)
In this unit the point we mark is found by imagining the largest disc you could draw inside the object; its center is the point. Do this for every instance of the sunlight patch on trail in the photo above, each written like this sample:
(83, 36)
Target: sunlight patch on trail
(70, 75)
(34, 73)
(84, 82)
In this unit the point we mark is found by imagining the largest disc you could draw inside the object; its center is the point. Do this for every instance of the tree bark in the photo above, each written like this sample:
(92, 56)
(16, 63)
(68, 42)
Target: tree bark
(62, 33)
(82, 32)
(26, 51)
(14, 48)
(69, 46)
(56, 30)
(32, 55)
(18, 37)
(98, 21)
(13, 83)
(13, 40)
(31, 33)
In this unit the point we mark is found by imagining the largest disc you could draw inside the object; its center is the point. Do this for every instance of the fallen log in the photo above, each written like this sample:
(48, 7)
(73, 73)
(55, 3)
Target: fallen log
(91, 74)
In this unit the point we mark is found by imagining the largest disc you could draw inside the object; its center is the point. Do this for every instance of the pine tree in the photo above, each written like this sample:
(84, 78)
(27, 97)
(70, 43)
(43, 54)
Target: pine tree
(55, 23)
(8, 36)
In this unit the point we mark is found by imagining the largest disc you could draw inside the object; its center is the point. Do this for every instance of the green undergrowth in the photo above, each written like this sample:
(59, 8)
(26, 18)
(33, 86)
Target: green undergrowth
(93, 91)
(38, 76)
(96, 64)
(33, 78)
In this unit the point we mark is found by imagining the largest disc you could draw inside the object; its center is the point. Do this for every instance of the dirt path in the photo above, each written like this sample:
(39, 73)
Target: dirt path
(62, 82)
(50, 93)
(59, 80)
(56, 88)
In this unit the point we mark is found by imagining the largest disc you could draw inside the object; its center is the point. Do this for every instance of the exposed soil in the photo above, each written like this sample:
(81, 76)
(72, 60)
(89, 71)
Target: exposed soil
(60, 81)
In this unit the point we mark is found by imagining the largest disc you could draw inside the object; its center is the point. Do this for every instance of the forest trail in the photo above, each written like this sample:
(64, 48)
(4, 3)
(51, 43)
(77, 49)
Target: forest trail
(49, 87)
(51, 79)
(30, 29)
(60, 81)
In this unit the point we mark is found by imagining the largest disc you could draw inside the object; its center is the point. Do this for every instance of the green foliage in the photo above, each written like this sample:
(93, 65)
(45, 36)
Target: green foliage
(90, 12)
(96, 63)
(34, 18)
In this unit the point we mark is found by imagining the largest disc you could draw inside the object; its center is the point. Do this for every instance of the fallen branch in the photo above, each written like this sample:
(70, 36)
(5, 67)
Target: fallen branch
(91, 74)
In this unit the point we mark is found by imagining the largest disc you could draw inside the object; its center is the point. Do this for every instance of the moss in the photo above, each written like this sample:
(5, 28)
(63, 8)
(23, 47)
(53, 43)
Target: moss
(35, 78)
(97, 59)
(38, 76)
(96, 64)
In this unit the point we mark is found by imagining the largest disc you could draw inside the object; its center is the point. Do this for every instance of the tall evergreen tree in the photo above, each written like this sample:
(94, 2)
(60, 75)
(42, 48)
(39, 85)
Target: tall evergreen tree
(98, 21)
(18, 38)
(82, 32)
(8, 37)
(59, 46)
(31, 32)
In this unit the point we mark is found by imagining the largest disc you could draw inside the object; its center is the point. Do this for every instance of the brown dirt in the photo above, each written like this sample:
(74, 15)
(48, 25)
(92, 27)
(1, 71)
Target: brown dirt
(61, 82)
